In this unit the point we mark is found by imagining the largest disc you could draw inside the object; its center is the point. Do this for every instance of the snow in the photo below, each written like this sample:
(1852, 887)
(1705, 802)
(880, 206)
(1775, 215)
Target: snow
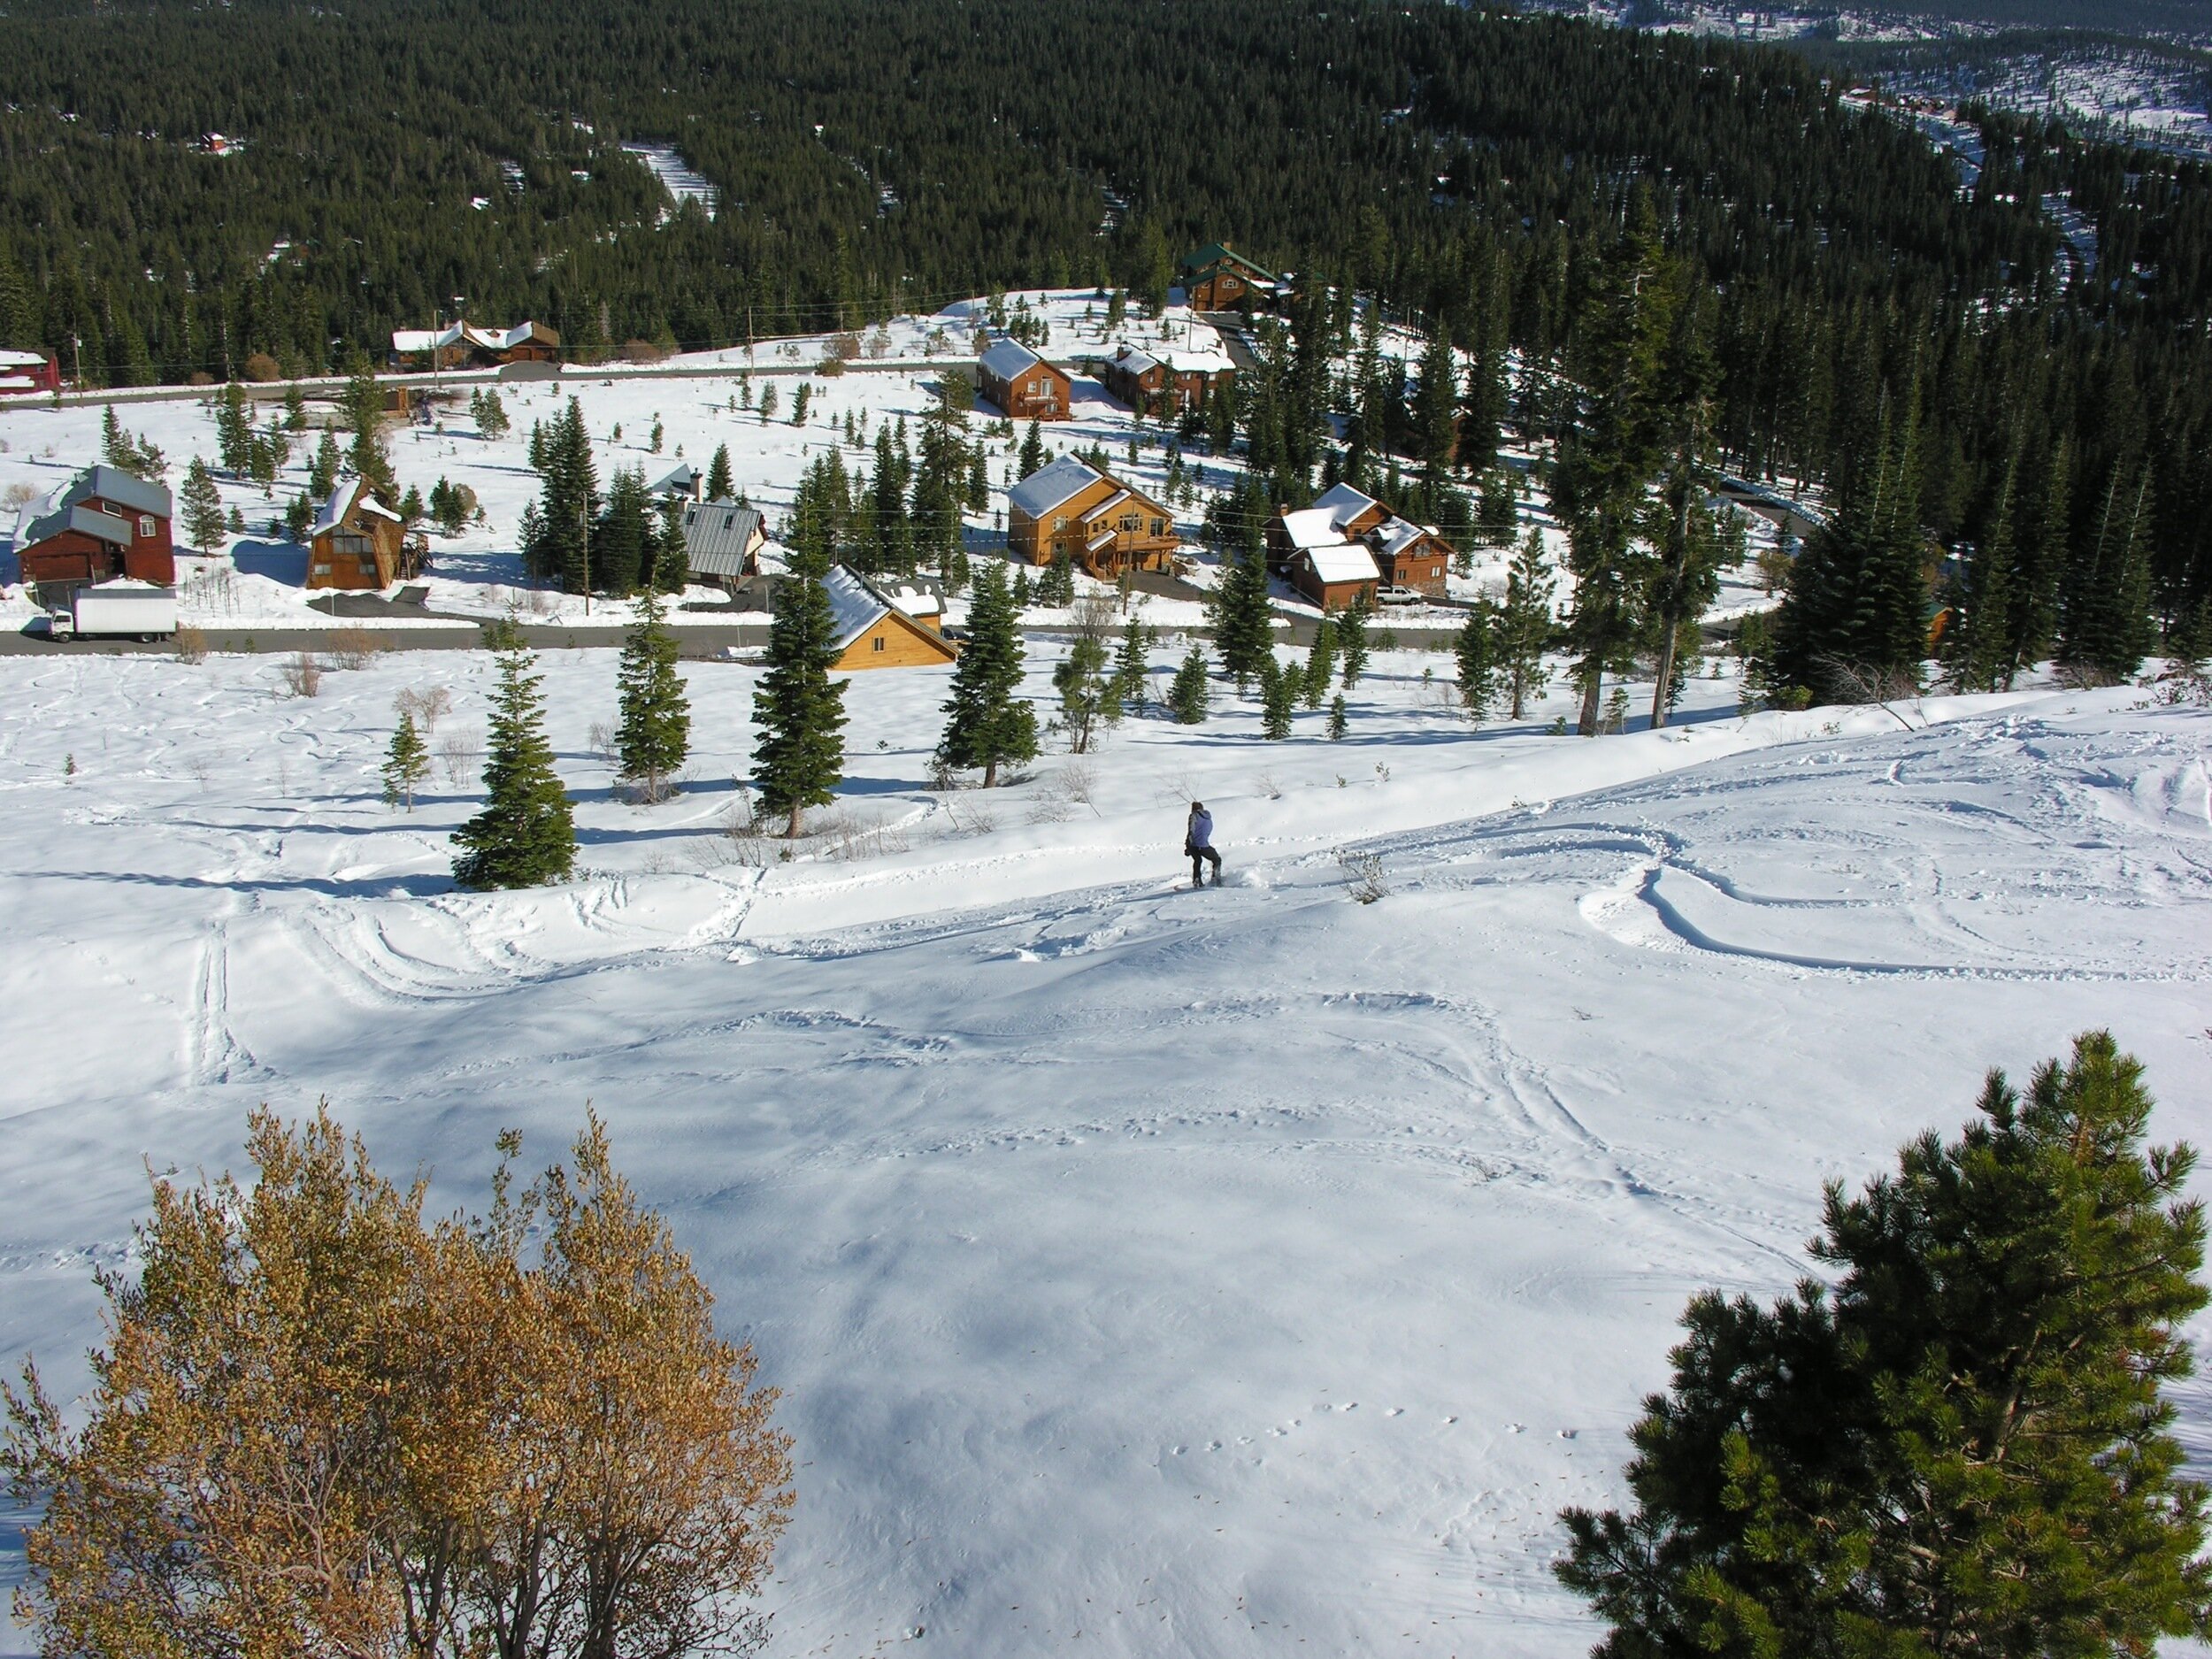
(1050, 484)
(853, 605)
(677, 176)
(1204, 1273)
(1344, 562)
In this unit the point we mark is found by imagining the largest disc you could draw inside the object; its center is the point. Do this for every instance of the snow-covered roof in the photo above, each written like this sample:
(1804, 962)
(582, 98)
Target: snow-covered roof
(917, 602)
(1108, 506)
(342, 502)
(1394, 536)
(1311, 527)
(411, 341)
(1008, 359)
(22, 359)
(856, 606)
(1135, 361)
(1343, 562)
(1343, 503)
(414, 342)
(1050, 484)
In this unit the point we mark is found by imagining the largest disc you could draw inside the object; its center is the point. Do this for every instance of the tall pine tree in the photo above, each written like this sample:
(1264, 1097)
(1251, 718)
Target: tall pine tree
(653, 733)
(799, 757)
(988, 724)
(525, 835)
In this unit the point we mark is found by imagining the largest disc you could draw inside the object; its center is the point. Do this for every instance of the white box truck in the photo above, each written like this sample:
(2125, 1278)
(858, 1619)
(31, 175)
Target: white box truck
(117, 610)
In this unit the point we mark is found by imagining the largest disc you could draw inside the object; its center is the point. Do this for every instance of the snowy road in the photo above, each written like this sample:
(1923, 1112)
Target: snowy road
(1221, 1272)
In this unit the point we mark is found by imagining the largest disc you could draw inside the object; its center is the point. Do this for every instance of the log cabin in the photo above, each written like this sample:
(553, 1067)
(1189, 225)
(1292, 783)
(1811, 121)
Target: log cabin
(1217, 277)
(1336, 576)
(1069, 509)
(1022, 384)
(103, 524)
(1165, 382)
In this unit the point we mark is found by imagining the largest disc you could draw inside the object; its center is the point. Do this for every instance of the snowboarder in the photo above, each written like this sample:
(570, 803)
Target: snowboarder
(1198, 845)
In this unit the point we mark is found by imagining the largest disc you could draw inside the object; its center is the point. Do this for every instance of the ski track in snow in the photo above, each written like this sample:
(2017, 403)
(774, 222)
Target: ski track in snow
(1213, 1271)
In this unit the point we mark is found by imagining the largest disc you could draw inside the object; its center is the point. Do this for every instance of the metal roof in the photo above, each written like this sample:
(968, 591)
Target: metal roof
(1050, 484)
(90, 521)
(111, 483)
(1008, 359)
(1343, 562)
(719, 536)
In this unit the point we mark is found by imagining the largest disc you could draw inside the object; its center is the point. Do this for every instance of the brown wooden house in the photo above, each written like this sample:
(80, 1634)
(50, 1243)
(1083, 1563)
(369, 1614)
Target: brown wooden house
(1217, 278)
(873, 632)
(1163, 384)
(1405, 554)
(459, 345)
(1071, 509)
(1336, 577)
(1022, 384)
(105, 524)
(357, 542)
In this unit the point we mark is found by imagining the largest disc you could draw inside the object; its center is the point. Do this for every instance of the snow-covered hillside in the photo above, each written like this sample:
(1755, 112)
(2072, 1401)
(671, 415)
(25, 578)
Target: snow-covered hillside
(1241, 1271)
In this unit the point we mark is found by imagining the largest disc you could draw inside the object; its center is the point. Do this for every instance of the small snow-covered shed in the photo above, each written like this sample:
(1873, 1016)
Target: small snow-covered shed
(872, 632)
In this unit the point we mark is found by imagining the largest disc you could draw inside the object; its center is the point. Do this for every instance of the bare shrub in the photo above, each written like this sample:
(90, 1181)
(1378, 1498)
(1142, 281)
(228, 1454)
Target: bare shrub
(428, 705)
(191, 644)
(642, 351)
(845, 346)
(303, 675)
(261, 369)
(1078, 779)
(848, 841)
(1363, 875)
(353, 647)
(600, 740)
(458, 757)
(16, 497)
(2085, 676)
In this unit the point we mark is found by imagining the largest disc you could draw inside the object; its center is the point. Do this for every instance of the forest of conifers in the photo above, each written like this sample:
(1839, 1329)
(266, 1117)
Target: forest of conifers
(1474, 166)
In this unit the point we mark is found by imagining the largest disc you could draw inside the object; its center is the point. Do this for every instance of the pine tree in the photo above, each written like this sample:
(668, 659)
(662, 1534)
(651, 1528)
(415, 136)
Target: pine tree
(653, 734)
(1086, 693)
(525, 835)
(721, 485)
(233, 430)
(1436, 409)
(1244, 630)
(799, 758)
(1477, 650)
(1188, 693)
(1351, 643)
(203, 505)
(1033, 452)
(988, 723)
(1019, 596)
(1337, 721)
(1055, 585)
(1131, 670)
(1525, 623)
(2105, 625)
(1279, 697)
(1961, 1450)
(406, 764)
(1320, 662)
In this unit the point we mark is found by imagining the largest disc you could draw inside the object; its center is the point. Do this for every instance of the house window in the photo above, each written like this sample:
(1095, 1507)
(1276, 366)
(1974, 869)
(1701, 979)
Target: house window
(145, 526)
(322, 570)
(1061, 522)
(1159, 526)
(876, 643)
(1129, 522)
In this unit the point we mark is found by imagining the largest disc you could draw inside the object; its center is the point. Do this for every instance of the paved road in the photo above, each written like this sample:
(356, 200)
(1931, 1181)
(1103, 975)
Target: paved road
(710, 640)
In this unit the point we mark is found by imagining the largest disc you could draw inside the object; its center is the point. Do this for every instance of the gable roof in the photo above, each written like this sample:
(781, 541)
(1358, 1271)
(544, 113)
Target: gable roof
(1008, 359)
(348, 493)
(1050, 484)
(858, 606)
(1342, 562)
(90, 521)
(1343, 503)
(1215, 253)
(413, 342)
(1135, 362)
(718, 535)
(111, 483)
(1394, 536)
(1310, 526)
(682, 480)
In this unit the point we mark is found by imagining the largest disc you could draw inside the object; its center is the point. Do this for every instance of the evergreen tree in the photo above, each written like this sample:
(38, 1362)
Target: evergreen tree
(1019, 596)
(1320, 661)
(233, 430)
(1477, 651)
(721, 485)
(1087, 693)
(1279, 697)
(1244, 630)
(1436, 410)
(1131, 670)
(653, 734)
(1337, 721)
(1032, 454)
(363, 405)
(1055, 585)
(799, 757)
(625, 539)
(1351, 643)
(203, 505)
(490, 413)
(1961, 1450)
(1188, 693)
(1980, 645)
(1525, 623)
(2046, 527)
(525, 835)
(2105, 623)
(988, 724)
(406, 764)
(568, 502)
(322, 472)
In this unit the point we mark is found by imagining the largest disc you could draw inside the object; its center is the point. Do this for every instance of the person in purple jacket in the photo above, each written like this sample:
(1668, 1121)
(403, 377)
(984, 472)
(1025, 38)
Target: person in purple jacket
(1198, 845)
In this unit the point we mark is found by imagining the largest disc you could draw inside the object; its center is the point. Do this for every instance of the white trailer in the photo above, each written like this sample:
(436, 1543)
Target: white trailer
(117, 610)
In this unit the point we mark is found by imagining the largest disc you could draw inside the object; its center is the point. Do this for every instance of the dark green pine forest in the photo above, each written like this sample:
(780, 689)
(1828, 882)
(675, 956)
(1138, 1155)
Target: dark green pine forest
(1841, 308)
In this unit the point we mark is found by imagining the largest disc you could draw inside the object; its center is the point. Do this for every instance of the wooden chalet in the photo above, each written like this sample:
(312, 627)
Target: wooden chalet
(1217, 277)
(1405, 554)
(28, 371)
(1071, 509)
(465, 345)
(722, 541)
(103, 524)
(874, 630)
(1022, 384)
(357, 542)
(1164, 383)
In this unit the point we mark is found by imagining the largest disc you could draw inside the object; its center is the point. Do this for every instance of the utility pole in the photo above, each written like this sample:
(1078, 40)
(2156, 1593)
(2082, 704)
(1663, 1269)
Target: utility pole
(76, 347)
(583, 523)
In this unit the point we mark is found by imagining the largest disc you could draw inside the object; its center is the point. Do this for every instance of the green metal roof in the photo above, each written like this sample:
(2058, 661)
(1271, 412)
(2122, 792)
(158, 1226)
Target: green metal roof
(1215, 253)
